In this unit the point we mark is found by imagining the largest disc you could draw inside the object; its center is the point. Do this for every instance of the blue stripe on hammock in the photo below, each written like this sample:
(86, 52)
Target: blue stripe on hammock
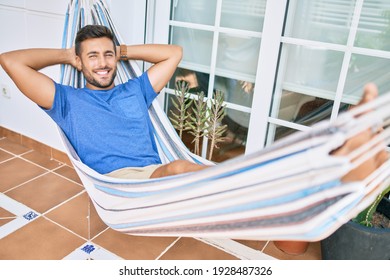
(163, 147)
(64, 40)
(82, 17)
(104, 20)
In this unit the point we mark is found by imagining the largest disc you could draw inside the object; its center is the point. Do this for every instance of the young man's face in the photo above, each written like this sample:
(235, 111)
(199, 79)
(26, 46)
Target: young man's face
(97, 61)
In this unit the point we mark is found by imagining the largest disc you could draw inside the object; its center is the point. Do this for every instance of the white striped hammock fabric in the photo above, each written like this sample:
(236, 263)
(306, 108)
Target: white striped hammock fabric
(289, 191)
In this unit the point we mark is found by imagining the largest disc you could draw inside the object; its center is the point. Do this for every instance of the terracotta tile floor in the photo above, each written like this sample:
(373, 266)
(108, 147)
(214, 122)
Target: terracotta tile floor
(46, 214)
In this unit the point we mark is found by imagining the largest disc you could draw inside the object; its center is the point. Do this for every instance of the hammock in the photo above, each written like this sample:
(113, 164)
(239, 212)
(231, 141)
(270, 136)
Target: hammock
(288, 191)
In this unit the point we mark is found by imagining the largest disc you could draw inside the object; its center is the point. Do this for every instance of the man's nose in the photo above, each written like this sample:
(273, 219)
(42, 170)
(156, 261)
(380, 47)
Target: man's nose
(102, 61)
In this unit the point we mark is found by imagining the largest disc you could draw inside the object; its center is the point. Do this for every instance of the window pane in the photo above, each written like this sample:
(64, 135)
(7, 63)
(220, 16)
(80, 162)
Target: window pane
(236, 91)
(364, 69)
(247, 14)
(237, 124)
(197, 45)
(276, 132)
(374, 25)
(199, 11)
(315, 71)
(197, 81)
(237, 55)
(235, 136)
(303, 109)
(320, 20)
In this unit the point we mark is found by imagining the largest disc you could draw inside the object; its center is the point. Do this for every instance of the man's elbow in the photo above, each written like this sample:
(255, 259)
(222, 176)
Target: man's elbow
(4, 61)
(1, 59)
(178, 51)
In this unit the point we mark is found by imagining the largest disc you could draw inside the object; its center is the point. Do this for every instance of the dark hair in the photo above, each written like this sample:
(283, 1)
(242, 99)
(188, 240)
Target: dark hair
(90, 32)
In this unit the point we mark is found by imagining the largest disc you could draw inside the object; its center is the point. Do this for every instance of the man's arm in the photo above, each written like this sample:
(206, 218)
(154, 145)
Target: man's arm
(164, 57)
(23, 68)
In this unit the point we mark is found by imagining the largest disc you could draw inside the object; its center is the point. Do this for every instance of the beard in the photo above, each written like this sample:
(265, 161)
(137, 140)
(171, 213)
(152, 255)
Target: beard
(98, 84)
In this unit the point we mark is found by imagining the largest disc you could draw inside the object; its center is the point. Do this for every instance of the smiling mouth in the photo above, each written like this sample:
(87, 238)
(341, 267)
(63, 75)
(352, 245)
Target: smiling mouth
(102, 72)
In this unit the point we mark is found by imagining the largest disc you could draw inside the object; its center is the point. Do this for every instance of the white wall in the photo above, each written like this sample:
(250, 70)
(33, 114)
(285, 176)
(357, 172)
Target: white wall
(39, 23)
(129, 17)
(25, 24)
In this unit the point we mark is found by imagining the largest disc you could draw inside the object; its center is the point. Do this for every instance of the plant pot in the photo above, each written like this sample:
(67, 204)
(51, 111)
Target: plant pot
(292, 247)
(353, 241)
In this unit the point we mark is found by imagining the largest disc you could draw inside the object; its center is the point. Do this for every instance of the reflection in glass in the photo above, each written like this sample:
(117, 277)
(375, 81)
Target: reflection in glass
(276, 132)
(374, 25)
(234, 140)
(237, 127)
(364, 69)
(245, 14)
(238, 54)
(320, 20)
(235, 137)
(197, 81)
(240, 93)
(199, 11)
(236, 91)
(303, 109)
(197, 45)
(314, 68)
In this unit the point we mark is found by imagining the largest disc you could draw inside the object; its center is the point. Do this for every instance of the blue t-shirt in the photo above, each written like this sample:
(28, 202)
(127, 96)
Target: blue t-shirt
(109, 129)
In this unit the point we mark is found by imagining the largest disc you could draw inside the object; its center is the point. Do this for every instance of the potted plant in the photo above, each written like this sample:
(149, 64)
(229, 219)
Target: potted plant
(365, 237)
(198, 116)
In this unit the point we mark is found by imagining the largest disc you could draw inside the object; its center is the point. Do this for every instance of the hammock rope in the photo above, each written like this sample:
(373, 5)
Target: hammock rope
(288, 191)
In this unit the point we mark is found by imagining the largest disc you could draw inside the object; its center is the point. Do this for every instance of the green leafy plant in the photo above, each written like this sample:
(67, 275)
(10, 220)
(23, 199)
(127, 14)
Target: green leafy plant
(365, 217)
(197, 123)
(181, 103)
(198, 116)
(215, 130)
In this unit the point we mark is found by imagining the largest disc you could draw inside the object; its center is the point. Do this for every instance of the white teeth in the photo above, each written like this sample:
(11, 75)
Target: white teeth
(101, 72)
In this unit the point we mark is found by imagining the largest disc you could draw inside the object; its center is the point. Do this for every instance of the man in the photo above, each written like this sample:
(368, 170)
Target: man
(109, 125)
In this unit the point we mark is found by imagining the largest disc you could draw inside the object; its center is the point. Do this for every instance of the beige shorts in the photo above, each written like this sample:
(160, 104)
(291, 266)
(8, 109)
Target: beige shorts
(134, 172)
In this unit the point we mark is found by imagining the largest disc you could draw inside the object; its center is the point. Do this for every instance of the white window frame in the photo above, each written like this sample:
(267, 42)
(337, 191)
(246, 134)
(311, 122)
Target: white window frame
(266, 72)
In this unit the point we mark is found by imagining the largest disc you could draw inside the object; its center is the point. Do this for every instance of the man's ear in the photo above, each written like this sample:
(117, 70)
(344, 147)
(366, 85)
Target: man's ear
(78, 63)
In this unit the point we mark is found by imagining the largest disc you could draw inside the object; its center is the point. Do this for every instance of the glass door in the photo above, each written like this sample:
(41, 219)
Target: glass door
(329, 51)
(221, 40)
(281, 65)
